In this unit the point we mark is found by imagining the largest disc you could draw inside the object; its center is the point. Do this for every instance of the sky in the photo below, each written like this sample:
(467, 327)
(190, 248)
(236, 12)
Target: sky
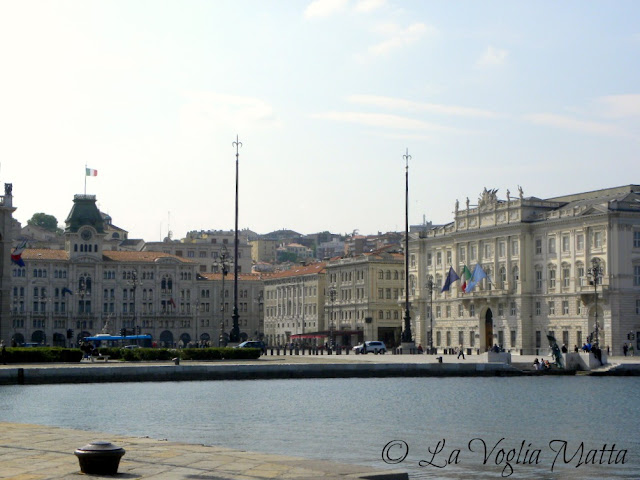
(327, 97)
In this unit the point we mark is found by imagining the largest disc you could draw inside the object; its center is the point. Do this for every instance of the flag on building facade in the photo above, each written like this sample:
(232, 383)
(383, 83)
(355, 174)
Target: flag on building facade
(478, 275)
(172, 303)
(466, 276)
(16, 255)
(66, 290)
(452, 276)
(91, 172)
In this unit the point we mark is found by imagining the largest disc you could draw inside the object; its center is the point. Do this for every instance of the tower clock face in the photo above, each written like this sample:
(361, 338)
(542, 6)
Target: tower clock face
(86, 234)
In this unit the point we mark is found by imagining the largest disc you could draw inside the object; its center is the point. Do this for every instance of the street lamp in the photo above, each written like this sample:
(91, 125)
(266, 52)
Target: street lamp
(134, 282)
(430, 290)
(223, 264)
(83, 289)
(332, 296)
(595, 274)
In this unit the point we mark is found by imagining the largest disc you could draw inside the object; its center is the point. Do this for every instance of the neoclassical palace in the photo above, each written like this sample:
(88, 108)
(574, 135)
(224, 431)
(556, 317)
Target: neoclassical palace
(567, 266)
(61, 296)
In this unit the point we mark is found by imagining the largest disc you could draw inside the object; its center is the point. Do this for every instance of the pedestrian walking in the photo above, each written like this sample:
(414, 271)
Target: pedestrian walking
(625, 349)
(460, 352)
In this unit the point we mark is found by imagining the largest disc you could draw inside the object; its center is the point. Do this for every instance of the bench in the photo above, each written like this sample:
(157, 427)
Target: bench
(100, 358)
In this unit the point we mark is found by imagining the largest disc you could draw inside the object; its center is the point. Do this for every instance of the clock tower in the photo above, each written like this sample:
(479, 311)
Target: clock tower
(84, 230)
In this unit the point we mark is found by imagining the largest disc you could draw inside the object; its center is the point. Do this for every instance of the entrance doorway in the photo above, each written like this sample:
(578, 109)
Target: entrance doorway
(488, 329)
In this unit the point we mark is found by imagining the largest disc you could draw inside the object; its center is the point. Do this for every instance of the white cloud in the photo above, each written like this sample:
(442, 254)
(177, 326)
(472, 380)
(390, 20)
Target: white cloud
(398, 37)
(399, 103)
(325, 8)
(204, 110)
(493, 56)
(382, 120)
(366, 6)
(569, 123)
(618, 106)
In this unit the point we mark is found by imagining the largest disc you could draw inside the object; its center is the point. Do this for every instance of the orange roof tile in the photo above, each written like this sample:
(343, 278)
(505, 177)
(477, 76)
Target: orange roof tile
(44, 254)
(108, 255)
(302, 270)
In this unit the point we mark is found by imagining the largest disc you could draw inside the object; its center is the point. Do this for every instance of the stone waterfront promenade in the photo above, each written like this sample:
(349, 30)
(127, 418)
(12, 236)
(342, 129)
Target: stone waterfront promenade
(35, 452)
(290, 366)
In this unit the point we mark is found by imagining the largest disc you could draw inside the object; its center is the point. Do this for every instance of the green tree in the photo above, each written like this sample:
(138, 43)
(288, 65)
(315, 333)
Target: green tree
(45, 221)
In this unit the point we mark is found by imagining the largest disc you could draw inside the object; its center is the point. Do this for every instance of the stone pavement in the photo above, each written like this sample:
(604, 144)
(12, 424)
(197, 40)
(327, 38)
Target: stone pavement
(35, 452)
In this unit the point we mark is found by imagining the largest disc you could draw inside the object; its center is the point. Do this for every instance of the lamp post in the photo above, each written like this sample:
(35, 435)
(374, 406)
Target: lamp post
(430, 290)
(223, 264)
(134, 282)
(82, 291)
(235, 331)
(406, 334)
(595, 274)
(332, 296)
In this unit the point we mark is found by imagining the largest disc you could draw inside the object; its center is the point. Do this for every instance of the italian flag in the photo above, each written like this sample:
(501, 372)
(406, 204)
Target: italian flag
(466, 276)
(91, 172)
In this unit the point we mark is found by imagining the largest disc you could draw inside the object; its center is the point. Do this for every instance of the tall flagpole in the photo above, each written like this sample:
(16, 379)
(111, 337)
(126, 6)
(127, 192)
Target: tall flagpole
(234, 336)
(406, 334)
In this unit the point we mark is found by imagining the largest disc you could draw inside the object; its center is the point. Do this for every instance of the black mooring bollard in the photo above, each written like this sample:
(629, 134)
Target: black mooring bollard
(100, 458)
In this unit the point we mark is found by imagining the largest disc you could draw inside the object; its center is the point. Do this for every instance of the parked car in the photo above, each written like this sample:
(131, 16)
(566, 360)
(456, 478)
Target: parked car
(371, 347)
(253, 344)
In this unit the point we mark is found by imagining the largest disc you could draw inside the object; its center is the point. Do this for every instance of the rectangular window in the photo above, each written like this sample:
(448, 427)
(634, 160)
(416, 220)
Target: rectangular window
(487, 251)
(462, 254)
(413, 260)
(597, 240)
(515, 247)
(460, 337)
(579, 338)
(637, 307)
(566, 277)
(501, 309)
(580, 274)
(580, 242)
(579, 307)
(565, 243)
(552, 279)
(539, 279)
(448, 339)
(538, 246)
(538, 339)
(636, 275)
(552, 308)
(428, 259)
(513, 309)
(472, 252)
(513, 338)
(461, 309)
(449, 257)
(636, 239)
(501, 338)
(552, 245)
(438, 311)
(538, 308)
(448, 311)
(438, 338)
(472, 339)
(565, 307)
(565, 338)
(472, 310)
(501, 249)
(439, 259)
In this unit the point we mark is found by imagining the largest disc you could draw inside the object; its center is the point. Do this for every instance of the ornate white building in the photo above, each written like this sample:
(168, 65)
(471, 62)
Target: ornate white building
(537, 254)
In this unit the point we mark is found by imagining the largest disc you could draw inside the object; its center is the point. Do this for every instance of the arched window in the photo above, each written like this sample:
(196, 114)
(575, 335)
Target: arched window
(503, 277)
(515, 274)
